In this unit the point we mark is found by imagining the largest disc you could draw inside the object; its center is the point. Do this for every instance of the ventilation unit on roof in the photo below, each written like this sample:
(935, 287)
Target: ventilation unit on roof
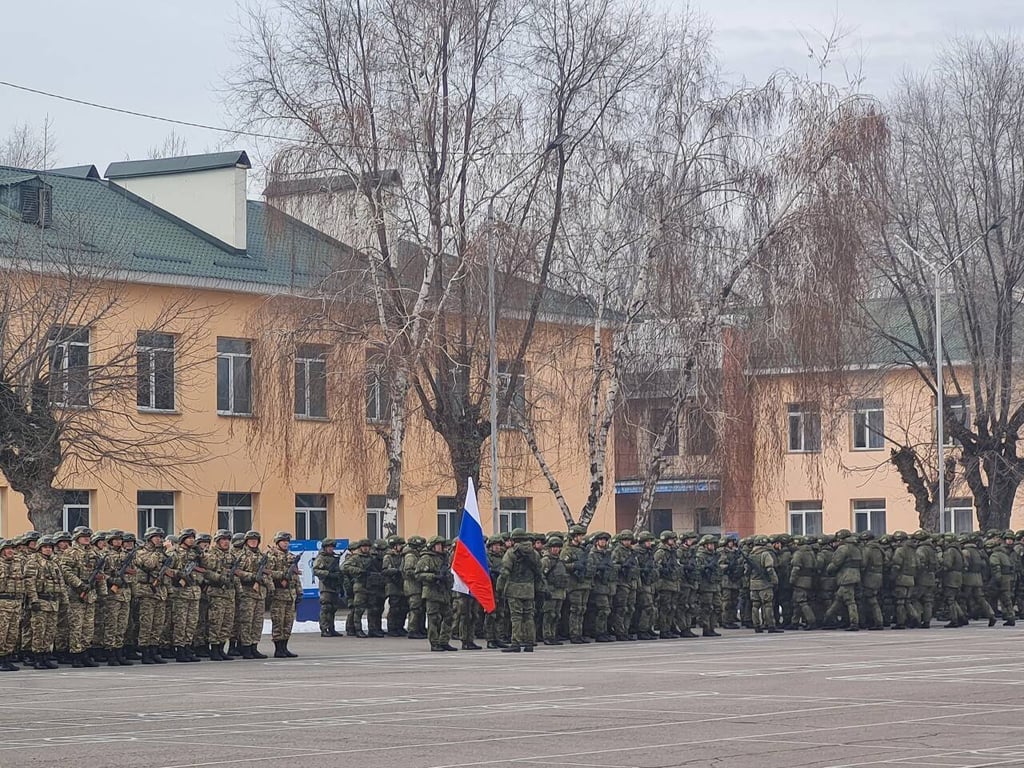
(37, 205)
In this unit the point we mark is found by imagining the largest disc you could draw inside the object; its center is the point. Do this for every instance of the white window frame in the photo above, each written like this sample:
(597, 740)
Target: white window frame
(375, 516)
(148, 348)
(512, 418)
(378, 402)
(309, 357)
(513, 512)
(959, 405)
(304, 509)
(803, 509)
(61, 342)
(233, 509)
(234, 359)
(803, 422)
(446, 508)
(148, 509)
(866, 514)
(68, 506)
(963, 508)
(868, 425)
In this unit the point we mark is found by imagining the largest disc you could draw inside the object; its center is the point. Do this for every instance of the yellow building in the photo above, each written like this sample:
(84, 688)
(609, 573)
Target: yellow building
(198, 276)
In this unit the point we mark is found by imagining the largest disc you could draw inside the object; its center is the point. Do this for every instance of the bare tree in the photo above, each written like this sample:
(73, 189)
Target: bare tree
(28, 147)
(951, 190)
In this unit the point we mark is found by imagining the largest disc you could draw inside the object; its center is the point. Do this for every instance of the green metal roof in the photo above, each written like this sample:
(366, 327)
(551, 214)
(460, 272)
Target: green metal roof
(185, 164)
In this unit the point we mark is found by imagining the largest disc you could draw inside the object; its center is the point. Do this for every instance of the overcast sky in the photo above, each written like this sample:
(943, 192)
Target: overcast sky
(171, 58)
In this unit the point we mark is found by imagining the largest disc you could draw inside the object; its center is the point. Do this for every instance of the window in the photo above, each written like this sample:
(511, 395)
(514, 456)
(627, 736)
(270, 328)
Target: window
(513, 417)
(804, 428)
(311, 382)
(661, 520)
(709, 520)
(960, 405)
(76, 509)
(310, 516)
(234, 511)
(375, 517)
(155, 371)
(658, 418)
(868, 425)
(447, 517)
(511, 514)
(804, 518)
(155, 508)
(234, 377)
(869, 515)
(959, 516)
(37, 204)
(700, 432)
(69, 366)
(378, 397)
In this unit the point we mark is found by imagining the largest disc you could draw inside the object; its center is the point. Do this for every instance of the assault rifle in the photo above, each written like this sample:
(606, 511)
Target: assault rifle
(260, 568)
(186, 573)
(91, 581)
(165, 566)
(757, 569)
(293, 570)
(122, 571)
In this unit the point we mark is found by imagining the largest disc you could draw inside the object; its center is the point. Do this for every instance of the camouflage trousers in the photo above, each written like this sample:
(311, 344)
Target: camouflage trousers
(25, 632)
(600, 605)
(623, 607)
(977, 603)
(731, 602)
(44, 627)
(220, 618)
(439, 621)
(82, 620)
(494, 622)
(905, 607)
(578, 599)
(685, 609)
(115, 623)
(467, 610)
(184, 615)
(151, 620)
(282, 616)
(398, 609)
(329, 611)
(871, 609)
(202, 636)
(762, 608)
(802, 607)
(417, 614)
(552, 613)
(668, 600)
(250, 617)
(846, 598)
(131, 637)
(710, 607)
(63, 639)
(10, 626)
(98, 621)
(522, 612)
(950, 600)
(643, 616)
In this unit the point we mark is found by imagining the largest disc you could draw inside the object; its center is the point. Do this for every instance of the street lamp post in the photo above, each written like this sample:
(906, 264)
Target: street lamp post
(492, 330)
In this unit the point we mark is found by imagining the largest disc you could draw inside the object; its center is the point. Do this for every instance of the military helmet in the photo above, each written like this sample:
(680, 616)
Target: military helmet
(707, 538)
(667, 535)
(6, 543)
(761, 541)
(62, 536)
(867, 535)
(185, 533)
(237, 539)
(380, 545)
(417, 541)
(602, 535)
(222, 533)
(204, 537)
(645, 536)
(253, 535)
(97, 536)
(396, 541)
(1008, 534)
(899, 536)
(688, 535)
(431, 542)
(492, 540)
(920, 535)
(31, 536)
(843, 533)
(173, 539)
(282, 536)
(80, 531)
(519, 534)
(328, 543)
(360, 543)
(129, 536)
(115, 533)
(46, 541)
(153, 531)
(626, 535)
(555, 541)
(577, 530)
(799, 540)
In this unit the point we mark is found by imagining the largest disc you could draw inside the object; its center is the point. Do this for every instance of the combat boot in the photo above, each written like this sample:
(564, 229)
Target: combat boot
(246, 651)
(112, 658)
(775, 631)
(577, 641)
(122, 659)
(552, 642)
(528, 648)
(471, 646)
(36, 661)
(215, 653)
(200, 651)
(731, 625)
(687, 633)
(279, 650)
(6, 665)
(234, 649)
(179, 654)
(255, 650)
(131, 653)
(287, 652)
(87, 661)
(154, 654)
(147, 656)
(708, 632)
(512, 649)
(76, 661)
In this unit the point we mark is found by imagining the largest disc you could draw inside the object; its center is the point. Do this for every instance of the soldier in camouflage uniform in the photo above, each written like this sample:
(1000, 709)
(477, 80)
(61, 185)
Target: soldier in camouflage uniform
(732, 580)
(201, 640)
(688, 585)
(494, 622)
(327, 570)
(520, 576)
(62, 642)
(1004, 577)
(99, 544)
(356, 568)
(666, 590)
(644, 616)
(12, 596)
(903, 567)
(973, 591)
(600, 564)
(802, 574)
(255, 586)
(375, 590)
(151, 591)
(83, 573)
(434, 575)
(925, 583)
(184, 595)
(580, 581)
(871, 579)
(117, 604)
(627, 569)
(221, 593)
(845, 566)
(398, 605)
(709, 588)
(413, 589)
(556, 579)
(43, 587)
(763, 579)
(952, 575)
(285, 595)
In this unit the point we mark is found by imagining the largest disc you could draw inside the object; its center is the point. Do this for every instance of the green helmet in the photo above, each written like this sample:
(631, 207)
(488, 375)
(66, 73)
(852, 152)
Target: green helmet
(602, 535)
(282, 536)
(360, 543)
(668, 535)
(222, 533)
(577, 530)
(761, 541)
(555, 541)
(129, 536)
(520, 534)
(98, 536)
(645, 536)
(237, 539)
(899, 536)
(46, 541)
(62, 536)
(707, 539)
(626, 535)
(328, 543)
(204, 537)
(396, 541)
(688, 535)
(253, 535)
(380, 545)
(417, 541)
(80, 531)
(115, 533)
(1008, 534)
(431, 542)
(920, 535)
(843, 533)
(492, 540)
(185, 533)
(867, 536)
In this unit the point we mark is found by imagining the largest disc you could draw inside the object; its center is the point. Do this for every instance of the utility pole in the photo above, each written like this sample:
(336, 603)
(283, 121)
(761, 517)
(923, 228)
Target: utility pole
(492, 334)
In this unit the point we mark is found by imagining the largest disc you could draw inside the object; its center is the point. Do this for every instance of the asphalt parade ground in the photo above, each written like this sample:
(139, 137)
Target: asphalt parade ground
(950, 698)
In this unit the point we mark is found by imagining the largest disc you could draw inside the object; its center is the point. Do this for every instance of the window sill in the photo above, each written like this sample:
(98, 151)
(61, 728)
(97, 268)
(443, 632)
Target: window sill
(855, 449)
(322, 419)
(231, 415)
(160, 411)
(808, 452)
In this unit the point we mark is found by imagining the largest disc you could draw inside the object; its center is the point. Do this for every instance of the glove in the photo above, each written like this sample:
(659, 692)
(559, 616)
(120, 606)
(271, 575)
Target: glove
(36, 606)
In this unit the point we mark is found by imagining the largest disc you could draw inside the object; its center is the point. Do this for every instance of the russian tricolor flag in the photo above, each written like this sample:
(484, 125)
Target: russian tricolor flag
(469, 563)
